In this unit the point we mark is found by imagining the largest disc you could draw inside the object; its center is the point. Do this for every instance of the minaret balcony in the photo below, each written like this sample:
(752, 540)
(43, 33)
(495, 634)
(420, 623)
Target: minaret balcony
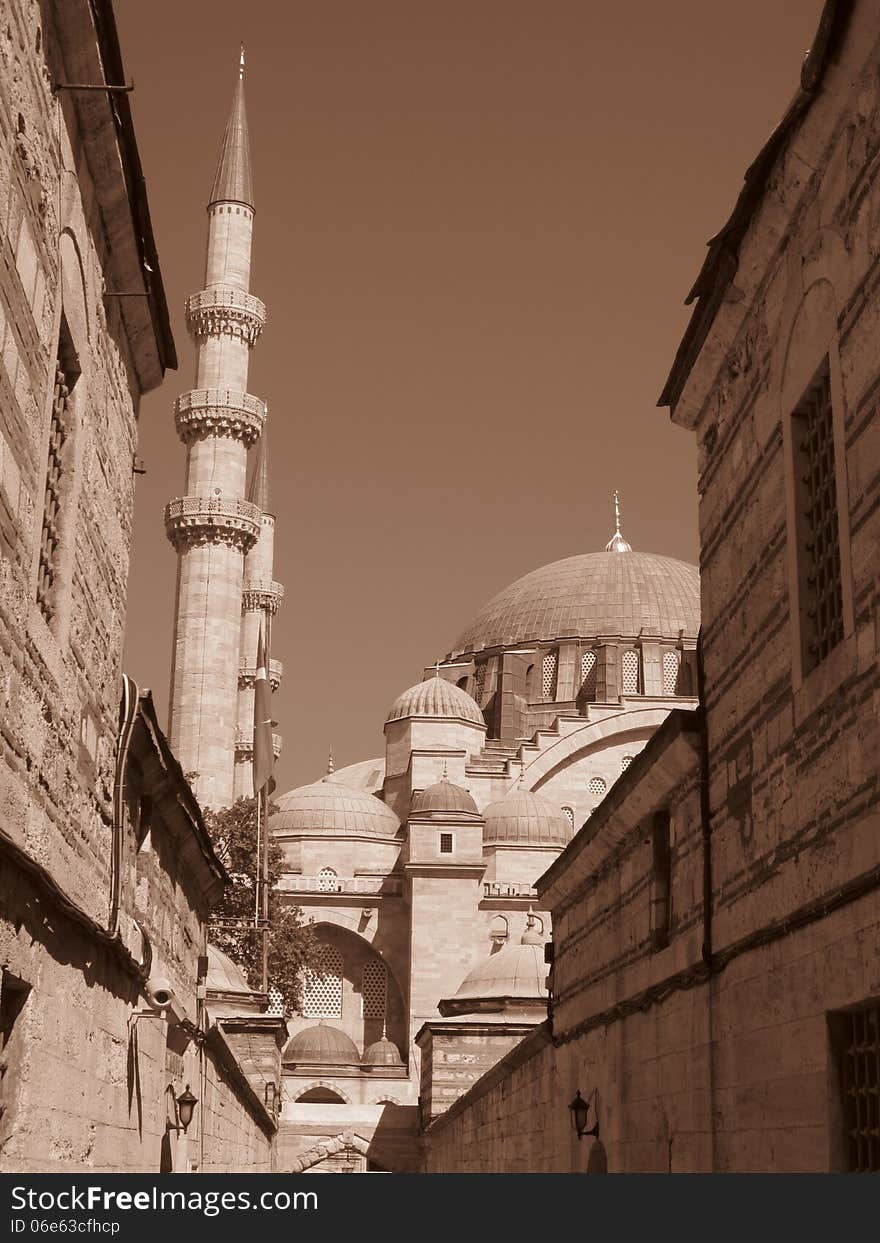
(247, 675)
(261, 595)
(244, 744)
(224, 310)
(219, 412)
(191, 520)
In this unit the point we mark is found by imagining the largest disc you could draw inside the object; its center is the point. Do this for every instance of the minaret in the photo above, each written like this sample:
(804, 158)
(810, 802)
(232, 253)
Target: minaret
(213, 526)
(259, 603)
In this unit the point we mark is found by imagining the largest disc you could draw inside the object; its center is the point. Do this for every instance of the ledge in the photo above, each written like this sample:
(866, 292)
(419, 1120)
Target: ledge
(209, 520)
(219, 412)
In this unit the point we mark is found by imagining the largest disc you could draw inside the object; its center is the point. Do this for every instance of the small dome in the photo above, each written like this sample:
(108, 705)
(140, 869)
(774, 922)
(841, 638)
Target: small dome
(437, 698)
(382, 1053)
(224, 976)
(518, 972)
(323, 1046)
(445, 798)
(526, 819)
(327, 807)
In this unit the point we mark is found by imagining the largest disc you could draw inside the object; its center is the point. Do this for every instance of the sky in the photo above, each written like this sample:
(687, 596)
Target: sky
(477, 222)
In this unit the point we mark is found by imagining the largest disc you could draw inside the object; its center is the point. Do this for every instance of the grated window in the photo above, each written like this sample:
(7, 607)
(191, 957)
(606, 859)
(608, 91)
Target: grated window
(818, 537)
(597, 785)
(625, 763)
(629, 668)
(671, 661)
(56, 468)
(568, 812)
(373, 990)
(588, 674)
(548, 674)
(322, 993)
(446, 843)
(328, 881)
(859, 1034)
(276, 1004)
(479, 682)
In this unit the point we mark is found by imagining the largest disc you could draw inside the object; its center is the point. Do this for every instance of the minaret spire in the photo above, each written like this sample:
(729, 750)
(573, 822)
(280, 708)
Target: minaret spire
(214, 529)
(617, 543)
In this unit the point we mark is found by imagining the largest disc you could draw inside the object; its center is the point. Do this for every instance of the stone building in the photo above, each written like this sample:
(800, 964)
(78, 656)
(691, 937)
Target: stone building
(715, 989)
(417, 870)
(107, 1010)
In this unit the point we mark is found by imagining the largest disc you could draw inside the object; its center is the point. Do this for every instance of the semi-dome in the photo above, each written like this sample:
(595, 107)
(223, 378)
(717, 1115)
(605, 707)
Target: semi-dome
(445, 799)
(382, 1052)
(611, 593)
(517, 972)
(525, 819)
(435, 697)
(336, 810)
(224, 976)
(322, 1045)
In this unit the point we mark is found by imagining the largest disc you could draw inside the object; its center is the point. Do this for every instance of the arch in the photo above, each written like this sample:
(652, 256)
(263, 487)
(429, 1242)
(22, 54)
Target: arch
(74, 297)
(321, 1095)
(314, 1085)
(568, 812)
(636, 724)
(346, 1141)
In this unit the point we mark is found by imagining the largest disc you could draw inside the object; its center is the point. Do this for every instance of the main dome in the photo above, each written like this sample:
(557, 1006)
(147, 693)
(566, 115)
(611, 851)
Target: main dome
(335, 810)
(595, 593)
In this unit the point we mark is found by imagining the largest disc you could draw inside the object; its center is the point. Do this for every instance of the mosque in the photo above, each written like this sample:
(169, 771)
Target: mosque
(417, 867)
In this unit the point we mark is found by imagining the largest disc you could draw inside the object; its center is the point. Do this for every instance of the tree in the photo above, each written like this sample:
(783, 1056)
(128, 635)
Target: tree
(292, 944)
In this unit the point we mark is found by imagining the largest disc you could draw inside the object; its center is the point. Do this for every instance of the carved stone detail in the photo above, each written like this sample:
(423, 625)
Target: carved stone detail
(261, 596)
(244, 744)
(223, 310)
(191, 520)
(247, 674)
(219, 412)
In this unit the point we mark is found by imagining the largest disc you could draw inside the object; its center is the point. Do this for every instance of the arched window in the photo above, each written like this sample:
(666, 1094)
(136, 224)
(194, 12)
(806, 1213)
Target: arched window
(549, 665)
(374, 985)
(588, 674)
(59, 466)
(499, 930)
(670, 672)
(479, 682)
(568, 812)
(625, 763)
(322, 993)
(629, 672)
(597, 786)
(320, 1096)
(328, 881)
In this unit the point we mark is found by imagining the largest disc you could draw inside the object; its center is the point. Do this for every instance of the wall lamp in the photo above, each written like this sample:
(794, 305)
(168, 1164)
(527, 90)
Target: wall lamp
(580, 1112)
(186, 1103)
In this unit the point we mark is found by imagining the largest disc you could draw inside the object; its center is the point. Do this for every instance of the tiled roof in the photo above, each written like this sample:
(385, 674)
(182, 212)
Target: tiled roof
(597, 593)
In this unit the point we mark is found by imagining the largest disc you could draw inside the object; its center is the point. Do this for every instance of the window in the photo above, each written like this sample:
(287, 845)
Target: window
(322, 993)
(568, 812)
(625, 763)
(549, 666)
(57, 470)
(479, 681)
(446, 843)
(588, 674)
(597, 786)
(328, 881)
(629, 672)
(816, 523)
(671, 660)
(374, 986)
(276, 1003)
(660, 879)
(857, 1038)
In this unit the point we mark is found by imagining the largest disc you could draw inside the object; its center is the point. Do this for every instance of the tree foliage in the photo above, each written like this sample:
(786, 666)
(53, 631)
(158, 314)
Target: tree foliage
(291, 942)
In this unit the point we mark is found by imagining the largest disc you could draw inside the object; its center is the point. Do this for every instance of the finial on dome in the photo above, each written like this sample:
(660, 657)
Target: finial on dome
(331, 767)
(617, 543)
(241, 63)
(531, 936)
(445, 774)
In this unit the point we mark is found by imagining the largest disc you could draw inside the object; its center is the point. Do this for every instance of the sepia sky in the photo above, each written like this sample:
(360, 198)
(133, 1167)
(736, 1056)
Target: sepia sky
(477, 221)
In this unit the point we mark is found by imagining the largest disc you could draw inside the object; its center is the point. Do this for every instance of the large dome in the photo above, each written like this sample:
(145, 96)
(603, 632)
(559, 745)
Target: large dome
(335, 810)
(516, 972)
(525, 819)
(322, 1045)
(597, 593)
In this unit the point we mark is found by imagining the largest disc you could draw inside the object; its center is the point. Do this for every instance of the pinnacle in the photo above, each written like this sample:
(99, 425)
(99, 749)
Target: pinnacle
(233, 181)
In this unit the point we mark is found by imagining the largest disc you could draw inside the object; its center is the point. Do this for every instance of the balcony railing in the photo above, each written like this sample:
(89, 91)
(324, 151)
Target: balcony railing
(508, 889)
(365, 885)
